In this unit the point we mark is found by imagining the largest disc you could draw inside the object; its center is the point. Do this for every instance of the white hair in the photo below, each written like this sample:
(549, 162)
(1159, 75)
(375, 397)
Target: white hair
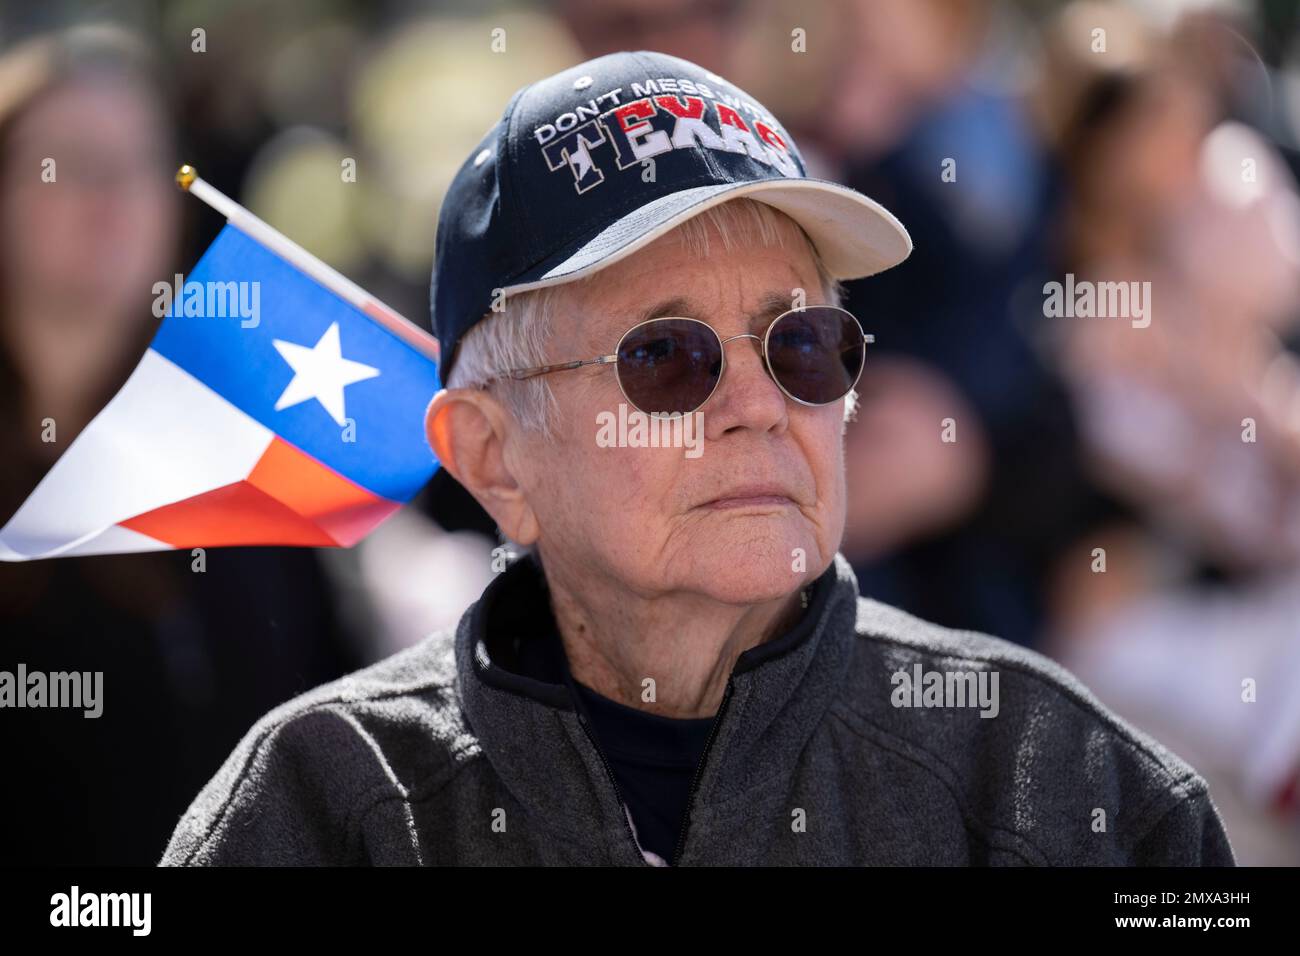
(518, 335)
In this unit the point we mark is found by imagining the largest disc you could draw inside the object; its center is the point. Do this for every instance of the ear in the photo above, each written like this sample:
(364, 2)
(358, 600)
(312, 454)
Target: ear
(468, 431)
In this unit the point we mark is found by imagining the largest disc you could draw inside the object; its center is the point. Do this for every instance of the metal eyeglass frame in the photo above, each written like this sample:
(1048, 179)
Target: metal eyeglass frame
(524, 373)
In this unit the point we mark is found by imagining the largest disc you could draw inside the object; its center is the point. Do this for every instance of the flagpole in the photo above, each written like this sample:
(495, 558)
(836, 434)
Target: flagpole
(243, 220)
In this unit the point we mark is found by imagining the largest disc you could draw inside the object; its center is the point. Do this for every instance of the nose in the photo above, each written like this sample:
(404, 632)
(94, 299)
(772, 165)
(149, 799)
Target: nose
(747, 396)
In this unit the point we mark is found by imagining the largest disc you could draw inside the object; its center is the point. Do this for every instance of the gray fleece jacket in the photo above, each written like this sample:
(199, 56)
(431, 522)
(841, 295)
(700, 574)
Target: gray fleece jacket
(863, 736)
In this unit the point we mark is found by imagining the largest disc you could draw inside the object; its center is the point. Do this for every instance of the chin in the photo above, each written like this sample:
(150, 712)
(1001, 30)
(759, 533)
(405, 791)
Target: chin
(746, 592)
(753, 569)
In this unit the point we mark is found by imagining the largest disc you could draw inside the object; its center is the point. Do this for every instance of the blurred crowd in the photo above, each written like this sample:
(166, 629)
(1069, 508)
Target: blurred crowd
(1124, 497)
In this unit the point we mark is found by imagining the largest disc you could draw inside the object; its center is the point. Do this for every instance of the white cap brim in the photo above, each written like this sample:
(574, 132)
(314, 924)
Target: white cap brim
(854, 235)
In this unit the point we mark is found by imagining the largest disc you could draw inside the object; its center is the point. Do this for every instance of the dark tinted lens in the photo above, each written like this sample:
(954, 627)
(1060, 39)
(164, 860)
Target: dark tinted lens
(669, 365)
(816, 354)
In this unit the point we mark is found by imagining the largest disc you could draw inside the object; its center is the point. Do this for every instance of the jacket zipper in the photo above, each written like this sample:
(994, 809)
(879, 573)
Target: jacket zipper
(582, 721)
(699, 772)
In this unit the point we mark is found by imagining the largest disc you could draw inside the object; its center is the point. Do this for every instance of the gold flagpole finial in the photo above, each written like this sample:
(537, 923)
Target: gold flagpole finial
(185, 176)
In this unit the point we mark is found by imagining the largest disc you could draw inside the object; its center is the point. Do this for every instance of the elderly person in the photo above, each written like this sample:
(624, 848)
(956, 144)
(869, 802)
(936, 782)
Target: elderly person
(678, 670)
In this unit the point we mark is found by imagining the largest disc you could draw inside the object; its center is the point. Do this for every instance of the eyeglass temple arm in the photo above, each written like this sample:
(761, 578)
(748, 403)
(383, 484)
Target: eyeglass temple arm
(521, 373)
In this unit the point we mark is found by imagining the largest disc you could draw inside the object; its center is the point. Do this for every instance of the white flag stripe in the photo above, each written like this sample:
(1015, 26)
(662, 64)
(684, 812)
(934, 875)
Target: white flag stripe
(163, 438)
(116, 540)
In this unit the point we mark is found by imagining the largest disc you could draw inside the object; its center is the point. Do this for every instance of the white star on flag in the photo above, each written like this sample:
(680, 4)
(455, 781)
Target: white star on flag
(320, 372)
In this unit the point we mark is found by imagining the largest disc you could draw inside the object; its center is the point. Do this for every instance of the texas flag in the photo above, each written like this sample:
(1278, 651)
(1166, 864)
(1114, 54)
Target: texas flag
(303, 425)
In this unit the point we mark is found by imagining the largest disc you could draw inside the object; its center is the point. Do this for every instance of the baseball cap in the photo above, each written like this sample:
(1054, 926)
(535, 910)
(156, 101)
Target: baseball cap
(591, 164)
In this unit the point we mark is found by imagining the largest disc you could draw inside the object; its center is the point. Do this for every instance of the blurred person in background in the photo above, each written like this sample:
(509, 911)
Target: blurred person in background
(88, 223)
(964, 439)
(697, 30)
(1191, 428)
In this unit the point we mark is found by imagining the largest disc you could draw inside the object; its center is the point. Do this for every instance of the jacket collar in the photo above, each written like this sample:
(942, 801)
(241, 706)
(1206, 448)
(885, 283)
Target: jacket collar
(530, 729)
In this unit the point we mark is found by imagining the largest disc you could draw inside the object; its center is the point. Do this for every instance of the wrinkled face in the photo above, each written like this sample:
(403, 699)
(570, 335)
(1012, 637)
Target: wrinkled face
(768, 484)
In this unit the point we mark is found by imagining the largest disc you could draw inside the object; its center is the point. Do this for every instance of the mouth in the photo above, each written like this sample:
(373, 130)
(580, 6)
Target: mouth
(750, 496)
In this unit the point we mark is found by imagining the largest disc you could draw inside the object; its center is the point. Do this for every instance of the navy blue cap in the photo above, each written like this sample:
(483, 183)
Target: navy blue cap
(589, 165)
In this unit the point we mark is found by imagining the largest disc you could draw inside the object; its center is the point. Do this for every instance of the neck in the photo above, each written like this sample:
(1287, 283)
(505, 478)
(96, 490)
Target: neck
(686, 643)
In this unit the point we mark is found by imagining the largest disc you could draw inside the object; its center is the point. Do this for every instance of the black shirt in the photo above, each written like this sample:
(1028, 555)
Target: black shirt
(654, 760)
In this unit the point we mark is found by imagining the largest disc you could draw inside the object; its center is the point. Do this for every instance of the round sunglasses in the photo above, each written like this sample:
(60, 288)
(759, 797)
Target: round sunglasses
(673, 365)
